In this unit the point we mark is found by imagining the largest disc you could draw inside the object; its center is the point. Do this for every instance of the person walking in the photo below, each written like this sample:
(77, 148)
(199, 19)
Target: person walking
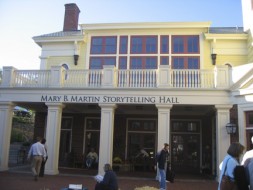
(36, 154)
(249, 170)
(109, 181)
(230, 162)
(42, 168)
(162, 160)
(247, 156)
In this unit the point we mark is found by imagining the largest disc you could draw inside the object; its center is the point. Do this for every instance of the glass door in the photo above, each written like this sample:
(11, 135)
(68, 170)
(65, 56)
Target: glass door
(185, 147)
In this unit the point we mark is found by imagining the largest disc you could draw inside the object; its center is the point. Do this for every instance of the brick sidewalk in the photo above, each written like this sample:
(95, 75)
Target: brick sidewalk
(10, 180)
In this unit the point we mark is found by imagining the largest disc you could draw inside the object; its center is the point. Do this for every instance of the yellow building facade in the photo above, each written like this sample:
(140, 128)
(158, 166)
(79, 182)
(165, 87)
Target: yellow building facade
(120, 87)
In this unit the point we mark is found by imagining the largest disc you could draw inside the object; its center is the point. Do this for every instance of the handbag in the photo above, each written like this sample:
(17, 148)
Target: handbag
(226, 182)
(170, 174)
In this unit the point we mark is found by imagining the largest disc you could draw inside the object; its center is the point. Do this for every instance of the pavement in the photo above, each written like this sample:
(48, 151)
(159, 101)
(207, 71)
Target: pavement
(21, 179)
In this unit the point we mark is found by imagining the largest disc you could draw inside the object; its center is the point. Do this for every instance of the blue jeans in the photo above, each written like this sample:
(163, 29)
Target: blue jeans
(163, 179)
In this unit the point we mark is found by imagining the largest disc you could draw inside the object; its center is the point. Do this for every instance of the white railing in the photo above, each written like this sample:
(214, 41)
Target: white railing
(82, 78)
(137, 78)
(192, 78)
(31, 78)
(58, 77)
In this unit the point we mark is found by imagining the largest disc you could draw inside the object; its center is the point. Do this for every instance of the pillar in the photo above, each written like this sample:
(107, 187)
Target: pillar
(163, 125)
(53, 132)
(106, 136)
(6, 114)
(222, 138)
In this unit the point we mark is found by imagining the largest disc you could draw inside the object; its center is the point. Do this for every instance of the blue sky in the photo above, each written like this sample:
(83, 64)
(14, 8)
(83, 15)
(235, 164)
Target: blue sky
(20, 20)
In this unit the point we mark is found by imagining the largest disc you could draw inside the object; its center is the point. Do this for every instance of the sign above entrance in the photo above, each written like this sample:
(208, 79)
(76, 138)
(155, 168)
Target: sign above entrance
(111, 99)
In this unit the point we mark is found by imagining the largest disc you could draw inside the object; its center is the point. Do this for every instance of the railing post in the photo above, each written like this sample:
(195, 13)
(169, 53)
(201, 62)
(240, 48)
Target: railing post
(8, 76)
(164, 73)
(222, 78)
(56, 77)
(109, 78)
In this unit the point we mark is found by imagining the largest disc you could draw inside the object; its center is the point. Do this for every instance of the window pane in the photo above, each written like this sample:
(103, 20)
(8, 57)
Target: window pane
(178, 63)
(164, 61)
(178, 44)
(193, 63)
(123, 45)
(151, 45)
(123, 63)
(151, 63)
(110, 44)
(109, 61)
(96, 63)
(193, 44)
(165, 44)
(96, 45)
(136, 63)
(136, 46)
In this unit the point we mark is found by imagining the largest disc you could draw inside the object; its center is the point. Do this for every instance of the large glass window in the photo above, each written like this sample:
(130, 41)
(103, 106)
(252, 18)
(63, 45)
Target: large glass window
(164, 60)
(66, 138)
(103, 45)
(143, 63)
(122, 62)
(123, 45)
(164, 44)
(143, 44)
(98, 62)
(185, 44)
(185, 62)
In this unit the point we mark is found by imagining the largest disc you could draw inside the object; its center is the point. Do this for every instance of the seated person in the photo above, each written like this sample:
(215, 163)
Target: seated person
(142, 154)
(109, 181)
(91, 158)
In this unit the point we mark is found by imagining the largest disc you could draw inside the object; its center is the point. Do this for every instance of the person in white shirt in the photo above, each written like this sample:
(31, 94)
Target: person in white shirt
(247, 156)
(37, 154)
(91, 158)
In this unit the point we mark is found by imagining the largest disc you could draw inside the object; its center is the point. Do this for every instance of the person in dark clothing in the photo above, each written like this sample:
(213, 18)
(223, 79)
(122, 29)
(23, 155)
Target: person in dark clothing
(162, 160)
(109, 181)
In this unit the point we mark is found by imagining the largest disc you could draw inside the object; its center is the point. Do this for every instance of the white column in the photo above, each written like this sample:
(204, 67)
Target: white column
(53, 132)
(106, 135)
(163, 125)
(222, 138)
(6, 113)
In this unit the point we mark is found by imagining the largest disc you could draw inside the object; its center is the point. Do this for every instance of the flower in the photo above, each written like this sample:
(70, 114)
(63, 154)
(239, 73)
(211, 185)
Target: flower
(117, 160)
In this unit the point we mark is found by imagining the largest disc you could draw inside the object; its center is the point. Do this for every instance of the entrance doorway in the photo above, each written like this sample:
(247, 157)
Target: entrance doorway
(141, 144)
(185, 146)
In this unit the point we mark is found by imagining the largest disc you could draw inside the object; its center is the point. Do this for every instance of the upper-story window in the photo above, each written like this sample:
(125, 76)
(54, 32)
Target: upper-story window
(123, 45)
(143, 44)
(122, 62)
(164, 44)
(98, 62)
(185, 44)
(185, 62)
(104, 45)
(143, 63)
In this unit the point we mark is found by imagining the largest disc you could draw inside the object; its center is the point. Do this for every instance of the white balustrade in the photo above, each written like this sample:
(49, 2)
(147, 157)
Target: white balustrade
(135, 78)
(31, 78)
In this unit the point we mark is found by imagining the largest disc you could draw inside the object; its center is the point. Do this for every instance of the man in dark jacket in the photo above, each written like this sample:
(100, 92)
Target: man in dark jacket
(109, 181)
(161, 160)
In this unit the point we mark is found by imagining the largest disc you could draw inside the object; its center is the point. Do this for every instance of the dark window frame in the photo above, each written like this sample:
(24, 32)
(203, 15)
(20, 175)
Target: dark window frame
(185, 46)
(103, 45)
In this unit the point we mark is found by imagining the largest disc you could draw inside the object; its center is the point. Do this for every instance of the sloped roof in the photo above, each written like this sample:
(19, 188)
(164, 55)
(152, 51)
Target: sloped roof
(226, 30)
